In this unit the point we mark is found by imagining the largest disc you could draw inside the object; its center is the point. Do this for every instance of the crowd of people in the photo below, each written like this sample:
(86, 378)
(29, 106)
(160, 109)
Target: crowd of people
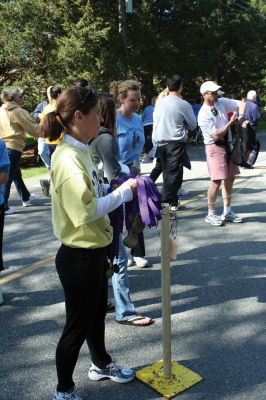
(102, 137)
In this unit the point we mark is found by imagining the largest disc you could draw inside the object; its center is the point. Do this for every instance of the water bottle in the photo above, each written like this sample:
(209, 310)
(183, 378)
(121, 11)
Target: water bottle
(252, 156)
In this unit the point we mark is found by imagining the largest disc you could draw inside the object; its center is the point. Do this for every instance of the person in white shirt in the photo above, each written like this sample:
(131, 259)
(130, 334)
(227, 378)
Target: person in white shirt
(215, 118)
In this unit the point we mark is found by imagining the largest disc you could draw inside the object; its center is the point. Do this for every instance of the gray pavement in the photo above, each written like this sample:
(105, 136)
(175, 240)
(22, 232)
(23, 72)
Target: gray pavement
(217, 291)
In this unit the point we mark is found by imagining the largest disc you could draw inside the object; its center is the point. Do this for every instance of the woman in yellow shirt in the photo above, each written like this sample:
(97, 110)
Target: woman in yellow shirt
(81, 223)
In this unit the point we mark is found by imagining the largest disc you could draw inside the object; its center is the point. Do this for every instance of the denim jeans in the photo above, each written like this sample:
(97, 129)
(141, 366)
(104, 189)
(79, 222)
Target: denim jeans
(44, 152)
(16, 177)
(124, 307)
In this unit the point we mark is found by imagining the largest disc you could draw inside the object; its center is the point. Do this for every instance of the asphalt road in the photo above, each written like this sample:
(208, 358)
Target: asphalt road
(217, 292)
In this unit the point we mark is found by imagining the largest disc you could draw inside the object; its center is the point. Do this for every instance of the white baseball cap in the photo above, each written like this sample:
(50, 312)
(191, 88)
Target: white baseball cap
(209, 86)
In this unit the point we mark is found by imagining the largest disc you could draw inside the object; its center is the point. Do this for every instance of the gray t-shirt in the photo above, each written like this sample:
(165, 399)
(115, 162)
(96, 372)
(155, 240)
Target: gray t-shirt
(209, 122)
(172, 118)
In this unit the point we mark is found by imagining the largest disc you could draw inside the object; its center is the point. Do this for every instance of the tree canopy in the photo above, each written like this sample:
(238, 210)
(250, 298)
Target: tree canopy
(47, 42)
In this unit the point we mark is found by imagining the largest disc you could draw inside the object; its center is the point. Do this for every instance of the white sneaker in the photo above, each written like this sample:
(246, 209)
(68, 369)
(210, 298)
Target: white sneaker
(1, 296)
(182, 192)
(141, 262)
(112, 371)
(130, 261)
(29, 203)
(10, 211)
(174, 208)
(213, 219)
(66, 396)
(231, 217)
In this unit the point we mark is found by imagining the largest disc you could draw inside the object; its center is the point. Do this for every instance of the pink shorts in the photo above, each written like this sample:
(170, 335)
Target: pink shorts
(218, 166)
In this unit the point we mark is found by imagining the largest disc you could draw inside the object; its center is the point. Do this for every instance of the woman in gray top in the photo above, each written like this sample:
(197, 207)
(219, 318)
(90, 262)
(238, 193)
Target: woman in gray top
(105, 152)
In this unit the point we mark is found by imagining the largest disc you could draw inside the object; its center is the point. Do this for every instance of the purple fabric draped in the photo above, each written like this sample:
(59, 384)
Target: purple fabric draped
(147, 203)
(149, 200)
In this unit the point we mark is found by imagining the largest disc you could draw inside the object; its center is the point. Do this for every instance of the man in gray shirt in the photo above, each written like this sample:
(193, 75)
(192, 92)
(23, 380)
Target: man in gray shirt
(173, 117)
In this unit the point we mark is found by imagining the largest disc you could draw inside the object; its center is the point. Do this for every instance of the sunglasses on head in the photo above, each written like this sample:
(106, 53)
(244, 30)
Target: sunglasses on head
(214, 111)
(90, 92)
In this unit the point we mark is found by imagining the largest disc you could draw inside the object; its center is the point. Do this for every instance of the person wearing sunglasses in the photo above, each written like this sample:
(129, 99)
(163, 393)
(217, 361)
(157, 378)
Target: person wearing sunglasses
(215, 124)
(81, 223)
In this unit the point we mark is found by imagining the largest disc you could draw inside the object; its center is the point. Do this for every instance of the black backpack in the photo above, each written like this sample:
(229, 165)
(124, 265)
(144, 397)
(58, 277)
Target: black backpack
(245, 146)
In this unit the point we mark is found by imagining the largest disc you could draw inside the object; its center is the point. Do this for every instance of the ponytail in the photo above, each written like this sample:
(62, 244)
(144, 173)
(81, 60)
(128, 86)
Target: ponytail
(52, 126)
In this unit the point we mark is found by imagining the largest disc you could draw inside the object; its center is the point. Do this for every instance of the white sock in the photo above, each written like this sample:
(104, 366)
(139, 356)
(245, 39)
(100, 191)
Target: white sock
(211, 212)
(227, 210)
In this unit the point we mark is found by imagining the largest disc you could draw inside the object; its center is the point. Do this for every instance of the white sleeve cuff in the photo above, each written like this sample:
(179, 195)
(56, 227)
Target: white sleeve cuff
(108, 203)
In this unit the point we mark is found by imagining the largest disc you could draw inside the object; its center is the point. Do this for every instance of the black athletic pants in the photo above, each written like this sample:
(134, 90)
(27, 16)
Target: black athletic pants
(171, 158)
(157, 170)
(148, 138)
(139, 250)
(82, 274)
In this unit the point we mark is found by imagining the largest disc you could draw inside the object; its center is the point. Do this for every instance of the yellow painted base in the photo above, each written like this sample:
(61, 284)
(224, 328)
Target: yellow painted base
(182, 378)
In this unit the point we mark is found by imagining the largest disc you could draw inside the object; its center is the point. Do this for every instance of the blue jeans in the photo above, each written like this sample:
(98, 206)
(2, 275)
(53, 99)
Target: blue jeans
(44, 152)
(16, 177)
(124, 307)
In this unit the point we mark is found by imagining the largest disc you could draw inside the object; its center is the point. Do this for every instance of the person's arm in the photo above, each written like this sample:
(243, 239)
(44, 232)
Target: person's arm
(255, 114)
(28, 123)
(220, 133)
(241, 106)
(80, 203)
(230, 105)
(122, 194)
(190, 117)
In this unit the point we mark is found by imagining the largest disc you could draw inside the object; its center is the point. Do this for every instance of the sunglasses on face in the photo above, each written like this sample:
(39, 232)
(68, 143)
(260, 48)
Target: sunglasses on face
(90, 92)
(213, 93)
(214, 111)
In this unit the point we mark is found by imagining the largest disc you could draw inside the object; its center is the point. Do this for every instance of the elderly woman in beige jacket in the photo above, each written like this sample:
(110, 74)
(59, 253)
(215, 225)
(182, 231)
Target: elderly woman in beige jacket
(15, 122)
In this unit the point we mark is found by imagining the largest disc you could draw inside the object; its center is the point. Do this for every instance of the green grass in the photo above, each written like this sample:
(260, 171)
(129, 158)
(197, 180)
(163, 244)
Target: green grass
(35, 171)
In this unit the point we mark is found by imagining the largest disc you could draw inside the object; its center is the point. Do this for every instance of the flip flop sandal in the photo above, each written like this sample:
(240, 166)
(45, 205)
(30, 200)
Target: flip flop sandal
(132, 321)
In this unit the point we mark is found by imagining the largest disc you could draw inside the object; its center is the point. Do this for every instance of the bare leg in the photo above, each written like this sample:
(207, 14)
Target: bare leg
(212, 194)
(227, 191)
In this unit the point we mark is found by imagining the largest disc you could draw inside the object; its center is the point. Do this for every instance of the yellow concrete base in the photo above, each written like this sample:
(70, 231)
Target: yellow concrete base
(182, 378)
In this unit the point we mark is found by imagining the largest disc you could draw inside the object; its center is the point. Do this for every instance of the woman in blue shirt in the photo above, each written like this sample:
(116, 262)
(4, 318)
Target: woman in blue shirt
(130, 140)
